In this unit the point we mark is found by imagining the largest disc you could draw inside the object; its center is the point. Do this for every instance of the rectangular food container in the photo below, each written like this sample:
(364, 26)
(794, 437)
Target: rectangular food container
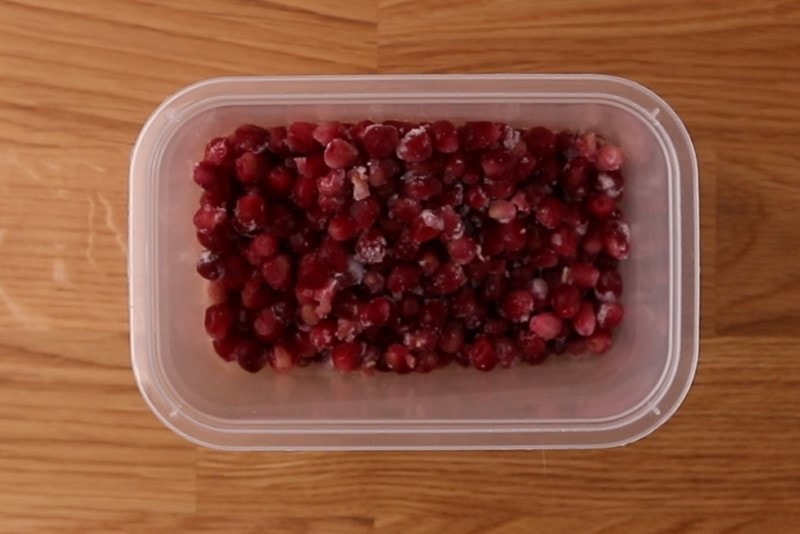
(604, 401)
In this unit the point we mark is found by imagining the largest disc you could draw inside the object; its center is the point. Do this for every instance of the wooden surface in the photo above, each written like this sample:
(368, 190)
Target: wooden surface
(80, 451)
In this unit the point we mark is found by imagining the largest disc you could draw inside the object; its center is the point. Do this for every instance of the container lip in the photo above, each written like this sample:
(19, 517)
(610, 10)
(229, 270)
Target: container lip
(180, 421)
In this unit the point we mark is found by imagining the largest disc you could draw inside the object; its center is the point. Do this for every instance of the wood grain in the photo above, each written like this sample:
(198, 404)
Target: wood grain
(79, 450)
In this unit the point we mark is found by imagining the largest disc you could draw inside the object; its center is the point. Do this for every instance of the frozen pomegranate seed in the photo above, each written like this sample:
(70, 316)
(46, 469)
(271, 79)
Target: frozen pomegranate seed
(610, 183)
(217, 195)
(592, 242)
(404, 209)
(376, 312)
(428, 262)
(476, 198)
(445, 137)
(453, 195)
(433, 314)
(583, 275)
(586, 145)
(312, 271)
(207, 218)
(495, 327)
(409, 306)
(280, 181)
(507, 352)
(365, 212)
(462, 250)
(332, 184)
(250, 167)
(225, 347)
(416, 145)
(497, 163)
(347, 356)
(219, 320)
(482, 355)
(340, 154)
(276, 140)
(609, 286)
(585, 320)
(323, 334)
(282, 357)
(546, 325)
(601, 205)
(251, 212)
(565, 300)
(448, 279)
(304, 192)
(399, 359)
(421, 186)
(380, 140)
(382, 172)
(277, 272)
(500, 189)
(250, 138)
(426, 226)
(268, 327)
(565, 242)
(300, 138)
(220, 151)
(254, 295)
(250, 356)
(403, 277)
(370, 247)
(518, 305)
(599, 342)
(405, 248)
(609, 315)
(421, 340)
(325, 132)
(209, 265)
(452, 337)
(342, 228)
(312, 165)
(514, 235)
(545, 259)
(616, 239)
(550, 212)
(540, 141)
(480, 134)
(539, 288)
(502, 210)
(453, 224)
(235, 271)
(608, 158)
(374, 282)
(533, 349)
(495, 287)
(207, 175)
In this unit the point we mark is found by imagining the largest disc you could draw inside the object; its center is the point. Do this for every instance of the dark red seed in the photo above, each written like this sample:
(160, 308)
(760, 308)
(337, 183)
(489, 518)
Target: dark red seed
(480, 134)
(250, 356)
(220, 151)
(550, 212)
(518, 305)
(421, 340)
(282, 357)
(219, 320)
(399, 359)
(370, 247)
(342, 228)
(207, 175)
(251, 212)
(482, 355)
(365, 212)
(209, 265)
(601, 205)
(340, 154)
(235, 271)
(448, 279)
(497, 163)
(415, 145)
(565, 300)
(476, 198)
(546, 325)
(609, 315)
(426, 226)
(421, 186)
(581, 274)
(304, 192)
(250, 167)
(609, 286)
(540, 141)
(207, 218)
(346, 356)
(380, 140)
(225, 347)
(599, 342)
(268, 327)
(452, 337)
(325, 132)
(403, 277)
(616, 239)
(462, 250)
(277, 272)
(300, 138)
(323, 334)
(532, 347)
(507, 351)
(585, 320)
(376, 312)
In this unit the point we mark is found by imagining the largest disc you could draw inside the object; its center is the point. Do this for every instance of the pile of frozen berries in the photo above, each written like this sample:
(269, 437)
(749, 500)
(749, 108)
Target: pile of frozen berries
(403, 247)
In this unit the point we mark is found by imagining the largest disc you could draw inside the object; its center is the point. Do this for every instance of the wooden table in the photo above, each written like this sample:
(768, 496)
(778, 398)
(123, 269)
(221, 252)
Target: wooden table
(79, 450)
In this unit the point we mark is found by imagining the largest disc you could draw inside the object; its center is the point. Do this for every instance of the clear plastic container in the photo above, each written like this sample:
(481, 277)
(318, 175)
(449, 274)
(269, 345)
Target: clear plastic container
(601, 402)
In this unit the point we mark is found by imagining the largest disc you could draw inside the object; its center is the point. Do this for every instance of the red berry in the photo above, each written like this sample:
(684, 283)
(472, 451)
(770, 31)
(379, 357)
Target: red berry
(421, 340)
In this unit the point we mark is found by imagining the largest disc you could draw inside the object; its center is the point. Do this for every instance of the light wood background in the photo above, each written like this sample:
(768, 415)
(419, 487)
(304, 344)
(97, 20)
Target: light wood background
(80, 451)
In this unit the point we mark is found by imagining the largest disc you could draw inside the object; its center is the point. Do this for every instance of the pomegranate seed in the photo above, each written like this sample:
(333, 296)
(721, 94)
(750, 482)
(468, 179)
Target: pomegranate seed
(421, 186)
(601, 205)
(500, 189)
(445, 137)
(610, 183)
(409, 306)
(416, 145)
(399, 359)
(370, 247)
(583, 275)
(268, 327)
(403, 277)
(609, 286)
(235, 272)
(476, 198)
(546, 259)
(323, 334)
(250, 138)
(532, 347)
(518, 305)
(502, 210)
(608, 158)
(304, 192)
(507, 352)
(325, 132)
(497, 163)
(219, 320)
(616, 239)
(300, 138)
(426, 226)
(374, 282)
(277, 272)
(220, 151)
(342, 228)
(540, 141)
(382, 172)
(376, 312)
(421, 340)
(249, 355)
(254, 295)
(452, 337)
(340, 154)
(546, 325)
(380, 140)
(448, 279)
(433, 314)
(429, 262)
(346, 356)
(312, 165)
(405, 248)
(585, 320)
(453, 224)
(404, 209)
(207, 175)
(276, 140)
(209, 265)
(495, 327)
(250, 167)
(280, 181)
(599, 342)
(482, 355)
(282, 358)
(480, 134)
(208, 218)
(565, 242)
(225, 347)
(462, 250)
(250, 212)
(592, 242)
(333, 254)
(609, 315)
(550, 212)
(566, 300)
(547, 171)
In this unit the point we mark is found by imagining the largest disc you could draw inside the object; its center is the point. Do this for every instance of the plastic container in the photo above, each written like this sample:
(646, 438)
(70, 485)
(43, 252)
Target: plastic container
(601, 402)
